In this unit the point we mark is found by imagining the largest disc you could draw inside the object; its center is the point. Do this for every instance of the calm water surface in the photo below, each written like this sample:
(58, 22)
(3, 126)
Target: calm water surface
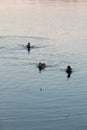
(47, 100)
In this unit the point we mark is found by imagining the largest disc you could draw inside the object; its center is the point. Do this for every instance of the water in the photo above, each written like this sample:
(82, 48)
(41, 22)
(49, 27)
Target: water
(47, 100)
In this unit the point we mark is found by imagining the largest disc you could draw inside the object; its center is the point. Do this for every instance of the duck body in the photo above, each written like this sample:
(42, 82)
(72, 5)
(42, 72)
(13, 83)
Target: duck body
(28, 45)
(68, 71)
(41, 66)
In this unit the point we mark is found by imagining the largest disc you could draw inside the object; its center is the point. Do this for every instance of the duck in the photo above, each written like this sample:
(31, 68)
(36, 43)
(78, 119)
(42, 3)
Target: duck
(68, 71)
(41, 66)
(28, 46)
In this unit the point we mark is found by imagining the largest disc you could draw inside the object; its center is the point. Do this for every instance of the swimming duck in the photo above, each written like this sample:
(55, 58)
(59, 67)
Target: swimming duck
(68, 71)
(41, 66)
(28, 45)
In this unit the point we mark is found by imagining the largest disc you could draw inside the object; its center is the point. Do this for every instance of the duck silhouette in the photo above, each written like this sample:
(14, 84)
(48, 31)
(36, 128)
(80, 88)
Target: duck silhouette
(41, 66)
(68, 71)
(28, 47)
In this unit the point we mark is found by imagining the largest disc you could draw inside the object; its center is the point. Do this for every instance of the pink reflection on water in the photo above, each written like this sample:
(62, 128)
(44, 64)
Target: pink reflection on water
(29, 5)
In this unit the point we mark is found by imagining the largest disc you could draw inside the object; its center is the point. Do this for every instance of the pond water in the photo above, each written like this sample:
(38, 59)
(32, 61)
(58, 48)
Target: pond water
(46, 100)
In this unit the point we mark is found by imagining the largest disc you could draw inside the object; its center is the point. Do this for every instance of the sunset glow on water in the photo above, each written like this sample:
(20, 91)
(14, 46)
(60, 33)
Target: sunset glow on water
(43, 100)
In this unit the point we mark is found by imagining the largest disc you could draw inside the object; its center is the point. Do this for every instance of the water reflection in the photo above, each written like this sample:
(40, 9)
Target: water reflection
(34, 5)
(57, 1)
(63, 2)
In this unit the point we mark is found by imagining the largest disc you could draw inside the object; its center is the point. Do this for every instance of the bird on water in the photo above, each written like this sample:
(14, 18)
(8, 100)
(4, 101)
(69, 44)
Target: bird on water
(68, 71)
(41, 66)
